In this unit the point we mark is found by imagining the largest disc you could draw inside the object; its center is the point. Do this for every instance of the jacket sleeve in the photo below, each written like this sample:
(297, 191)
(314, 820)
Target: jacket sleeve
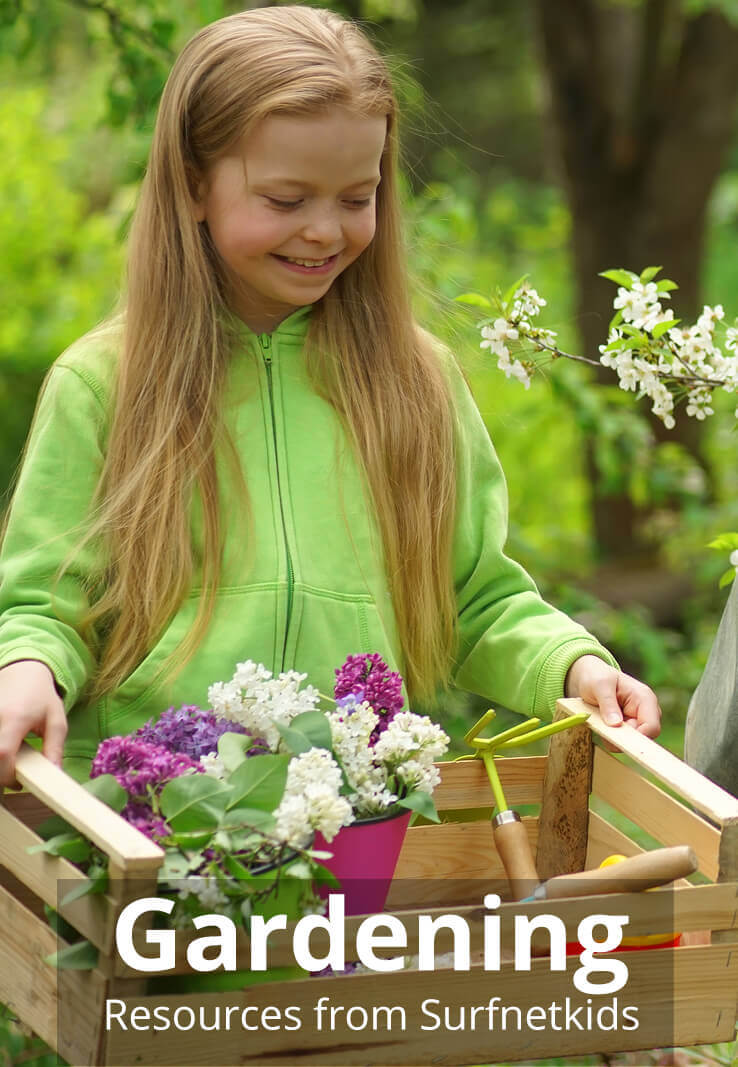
(62, 463)
(514, 648)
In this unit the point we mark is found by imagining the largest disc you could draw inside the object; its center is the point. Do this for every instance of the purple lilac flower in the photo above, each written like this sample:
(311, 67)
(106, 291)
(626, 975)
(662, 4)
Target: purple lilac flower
(348, 704)
(368, 677)
(143, 819)
(192, 731)
(138, 765)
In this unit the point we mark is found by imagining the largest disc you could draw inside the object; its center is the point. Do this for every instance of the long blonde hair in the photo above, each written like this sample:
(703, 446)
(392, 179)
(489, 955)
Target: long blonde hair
(364, 352)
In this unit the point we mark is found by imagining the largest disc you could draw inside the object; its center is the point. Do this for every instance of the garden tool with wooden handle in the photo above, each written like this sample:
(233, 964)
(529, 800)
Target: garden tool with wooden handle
(644, 871)
(510, 834)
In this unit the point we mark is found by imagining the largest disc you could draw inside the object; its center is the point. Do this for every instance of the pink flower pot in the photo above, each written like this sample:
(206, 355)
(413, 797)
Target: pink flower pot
(364, 858)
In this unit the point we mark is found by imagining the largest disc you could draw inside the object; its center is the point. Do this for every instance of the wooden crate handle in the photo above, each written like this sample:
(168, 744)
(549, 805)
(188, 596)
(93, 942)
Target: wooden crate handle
(699, 791)
(130, 850)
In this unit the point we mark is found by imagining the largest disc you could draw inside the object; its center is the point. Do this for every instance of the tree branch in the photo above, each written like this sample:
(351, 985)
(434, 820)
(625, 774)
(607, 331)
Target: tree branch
(121, 27)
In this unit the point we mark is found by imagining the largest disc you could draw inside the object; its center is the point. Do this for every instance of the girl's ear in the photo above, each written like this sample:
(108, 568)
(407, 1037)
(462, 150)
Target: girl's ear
(198, 202)
(198, 194)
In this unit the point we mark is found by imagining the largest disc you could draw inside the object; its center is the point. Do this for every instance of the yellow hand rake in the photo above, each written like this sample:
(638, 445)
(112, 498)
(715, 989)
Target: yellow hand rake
(511, 838)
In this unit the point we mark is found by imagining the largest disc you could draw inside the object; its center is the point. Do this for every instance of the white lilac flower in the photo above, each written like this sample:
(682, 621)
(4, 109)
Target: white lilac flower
(293, 825)
(250, 674)
(315, 765)
(213, 765)
(208, 892)
(372, 798)
(260, 702)
(411, 737)
(311, 801)
(415, 774)
(225, 699)
(734, 558)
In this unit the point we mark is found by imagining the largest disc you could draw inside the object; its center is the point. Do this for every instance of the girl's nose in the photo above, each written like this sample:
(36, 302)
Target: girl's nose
(323, 227)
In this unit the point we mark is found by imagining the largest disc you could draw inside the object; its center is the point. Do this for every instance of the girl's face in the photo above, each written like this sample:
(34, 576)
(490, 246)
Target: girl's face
(298, 188)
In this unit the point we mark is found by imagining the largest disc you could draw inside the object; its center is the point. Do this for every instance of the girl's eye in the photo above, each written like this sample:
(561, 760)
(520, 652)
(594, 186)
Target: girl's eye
(359, 203)
(283, 203)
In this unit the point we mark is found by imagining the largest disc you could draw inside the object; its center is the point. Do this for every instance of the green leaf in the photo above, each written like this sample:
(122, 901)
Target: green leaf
(192, 839)
(616, 319)
(59, 924)
(474, 300)
(620, 277)
(661, 327)
(96, 882)
(324, 877)
(237, 869)
(232, 749)
(71, 846)
(727, 577)
(260, 782)
(310, 729)
(80, 957)
(649, 273)
(665, 285)
(193, 791)
(510, 293)
(174, 866)
(107, 789)
(53, 827)
(422, 803)
(725, 542)
(238, 820)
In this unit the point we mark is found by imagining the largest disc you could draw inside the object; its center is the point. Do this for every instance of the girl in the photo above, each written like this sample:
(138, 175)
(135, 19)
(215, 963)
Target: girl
(265, 457)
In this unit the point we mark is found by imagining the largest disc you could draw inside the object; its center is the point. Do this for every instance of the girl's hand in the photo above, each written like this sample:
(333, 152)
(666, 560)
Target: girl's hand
(29, 703)
(619, 697)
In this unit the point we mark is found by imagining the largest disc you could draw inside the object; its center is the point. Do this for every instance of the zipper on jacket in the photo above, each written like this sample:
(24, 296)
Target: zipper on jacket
(265, 343)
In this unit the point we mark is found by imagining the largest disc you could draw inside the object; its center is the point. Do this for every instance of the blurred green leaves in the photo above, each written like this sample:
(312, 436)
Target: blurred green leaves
(60, 263)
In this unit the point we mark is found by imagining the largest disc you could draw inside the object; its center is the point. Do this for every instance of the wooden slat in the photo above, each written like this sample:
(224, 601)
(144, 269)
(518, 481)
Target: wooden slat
(562, 837)
(728, 870)
(699, 982)
(33, 989)
(688, 909)
(465, 784)
(131, 850)
(28, 808)
(454, 850)
(654, 811)
(697, 790)
(41, 873)
(604, 840)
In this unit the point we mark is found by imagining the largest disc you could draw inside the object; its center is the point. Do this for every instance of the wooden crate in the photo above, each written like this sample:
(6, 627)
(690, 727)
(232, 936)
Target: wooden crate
(688, 993)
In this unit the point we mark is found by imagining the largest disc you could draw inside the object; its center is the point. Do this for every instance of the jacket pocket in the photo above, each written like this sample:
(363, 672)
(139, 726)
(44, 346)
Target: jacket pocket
(328, 627)
(243, 627)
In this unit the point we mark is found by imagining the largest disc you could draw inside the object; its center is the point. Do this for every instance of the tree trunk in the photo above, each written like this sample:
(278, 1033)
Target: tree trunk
(642, 101)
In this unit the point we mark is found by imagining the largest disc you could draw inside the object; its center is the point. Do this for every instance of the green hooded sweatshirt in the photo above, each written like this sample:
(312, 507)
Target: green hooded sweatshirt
(316, 591)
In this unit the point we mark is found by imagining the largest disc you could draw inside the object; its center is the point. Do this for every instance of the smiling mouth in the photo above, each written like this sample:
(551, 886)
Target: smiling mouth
(304, 262)
(307, 262)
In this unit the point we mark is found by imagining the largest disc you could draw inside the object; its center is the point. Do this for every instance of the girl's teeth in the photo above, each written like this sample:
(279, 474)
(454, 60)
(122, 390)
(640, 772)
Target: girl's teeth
(307, 262)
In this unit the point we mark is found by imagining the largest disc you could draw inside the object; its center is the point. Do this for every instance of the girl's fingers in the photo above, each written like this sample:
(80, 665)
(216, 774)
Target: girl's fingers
(641, 706)
(10, 740)
(54, 737)
(608, 702)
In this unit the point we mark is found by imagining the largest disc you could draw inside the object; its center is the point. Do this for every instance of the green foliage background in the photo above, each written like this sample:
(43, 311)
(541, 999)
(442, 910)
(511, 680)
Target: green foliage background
(78, 89)
(79, 81)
